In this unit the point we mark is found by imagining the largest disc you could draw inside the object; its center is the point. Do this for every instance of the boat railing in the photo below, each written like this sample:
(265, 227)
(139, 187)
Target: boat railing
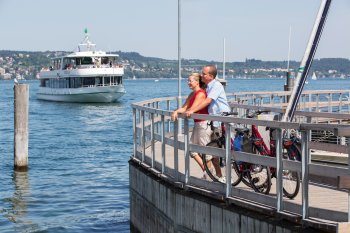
(102, 85)
(163, 147)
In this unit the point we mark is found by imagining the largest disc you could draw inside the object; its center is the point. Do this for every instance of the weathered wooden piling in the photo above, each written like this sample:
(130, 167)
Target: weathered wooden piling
(21, 106)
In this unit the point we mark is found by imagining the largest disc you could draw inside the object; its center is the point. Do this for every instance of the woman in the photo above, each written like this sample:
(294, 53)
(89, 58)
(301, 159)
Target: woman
(201, 131)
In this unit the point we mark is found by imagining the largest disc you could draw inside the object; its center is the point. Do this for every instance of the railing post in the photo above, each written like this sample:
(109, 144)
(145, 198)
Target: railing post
(152, 140)
(309, 120)
(305, 137)
(149, 114)
(176, 151)
(143, 138)
(349, 174)
(279, 170)
(135, 131)
(187, 151)
(349, 102)
(156, 126)
(163, 143)
(271, 100)
(228, 159)
(310, 101)
(168, 108)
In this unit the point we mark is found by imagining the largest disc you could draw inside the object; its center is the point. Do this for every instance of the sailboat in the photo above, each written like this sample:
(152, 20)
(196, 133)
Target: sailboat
(314, 77)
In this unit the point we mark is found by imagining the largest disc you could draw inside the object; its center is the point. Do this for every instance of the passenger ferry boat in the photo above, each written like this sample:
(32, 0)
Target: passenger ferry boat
(86, 75)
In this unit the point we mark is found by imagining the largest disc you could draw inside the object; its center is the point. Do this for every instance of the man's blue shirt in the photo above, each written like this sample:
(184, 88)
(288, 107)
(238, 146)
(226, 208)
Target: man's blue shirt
(219, 104)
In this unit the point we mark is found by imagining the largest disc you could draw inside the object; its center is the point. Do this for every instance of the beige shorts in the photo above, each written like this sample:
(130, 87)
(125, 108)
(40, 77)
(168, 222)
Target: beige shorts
(200, 135)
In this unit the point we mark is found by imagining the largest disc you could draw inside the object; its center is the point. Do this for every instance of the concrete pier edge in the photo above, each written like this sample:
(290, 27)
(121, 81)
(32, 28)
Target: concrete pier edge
(150, 211)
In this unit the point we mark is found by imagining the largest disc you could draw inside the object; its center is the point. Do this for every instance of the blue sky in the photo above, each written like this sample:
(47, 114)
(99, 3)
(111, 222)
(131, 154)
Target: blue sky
(253, 28)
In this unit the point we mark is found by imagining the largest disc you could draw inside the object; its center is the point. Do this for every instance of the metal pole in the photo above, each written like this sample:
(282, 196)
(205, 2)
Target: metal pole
(305, 137)
(152, 141)
(143, 137)
(224, 60)
(179, 101)
(168, 108)
(228, 159)
(163, 144)
(279, 170)
(187, 151)
(135, 132)
(348, 172)
(176, 151)
(307, 60)
(290, 33)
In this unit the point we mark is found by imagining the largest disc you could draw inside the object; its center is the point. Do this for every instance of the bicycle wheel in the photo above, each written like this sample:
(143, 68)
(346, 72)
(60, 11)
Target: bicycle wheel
(209, 166)
(237, 176)
(243, 169)
(291, 179)
(260, 178)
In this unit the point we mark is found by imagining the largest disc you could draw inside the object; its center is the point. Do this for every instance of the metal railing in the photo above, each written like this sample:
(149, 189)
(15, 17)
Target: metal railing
(155, 133)
(311, 100)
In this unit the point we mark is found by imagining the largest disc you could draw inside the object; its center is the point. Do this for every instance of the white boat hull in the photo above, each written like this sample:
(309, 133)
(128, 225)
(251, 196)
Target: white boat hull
(100, 94)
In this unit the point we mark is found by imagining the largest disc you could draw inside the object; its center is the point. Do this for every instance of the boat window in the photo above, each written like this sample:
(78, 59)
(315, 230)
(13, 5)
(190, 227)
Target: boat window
(88, 81)
(107, 81)
(43, 82)
(69, 63)
(86, 61)
(98, 81)
(57, 64)
(104, 60)
(78, 61)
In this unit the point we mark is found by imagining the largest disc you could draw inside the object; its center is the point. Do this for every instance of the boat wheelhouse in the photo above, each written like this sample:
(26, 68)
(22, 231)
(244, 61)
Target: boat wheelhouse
(85, 75)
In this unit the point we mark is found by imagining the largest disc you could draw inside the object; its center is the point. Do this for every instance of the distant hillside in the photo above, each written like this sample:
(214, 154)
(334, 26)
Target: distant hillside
(28, 64)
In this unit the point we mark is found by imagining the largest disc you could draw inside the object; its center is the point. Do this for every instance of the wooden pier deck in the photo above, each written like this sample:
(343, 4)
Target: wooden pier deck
(321, 196)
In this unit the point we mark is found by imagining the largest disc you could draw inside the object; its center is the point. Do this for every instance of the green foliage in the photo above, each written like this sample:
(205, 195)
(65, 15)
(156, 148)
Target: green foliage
(30, 63)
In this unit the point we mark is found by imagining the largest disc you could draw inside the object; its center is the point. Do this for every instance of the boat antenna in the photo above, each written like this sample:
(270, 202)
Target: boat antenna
(86, 42)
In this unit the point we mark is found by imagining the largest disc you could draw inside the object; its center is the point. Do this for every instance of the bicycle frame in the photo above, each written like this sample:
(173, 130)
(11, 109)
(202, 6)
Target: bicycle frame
(257, 135)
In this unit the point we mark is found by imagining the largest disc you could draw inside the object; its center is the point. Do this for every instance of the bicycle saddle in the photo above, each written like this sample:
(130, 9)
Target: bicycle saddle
(242, 130)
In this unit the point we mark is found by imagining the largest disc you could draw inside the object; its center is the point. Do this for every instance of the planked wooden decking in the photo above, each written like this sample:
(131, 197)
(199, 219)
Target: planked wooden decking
(321, 196)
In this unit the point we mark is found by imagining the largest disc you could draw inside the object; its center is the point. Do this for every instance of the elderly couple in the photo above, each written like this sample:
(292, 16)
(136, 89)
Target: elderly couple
(211, 101)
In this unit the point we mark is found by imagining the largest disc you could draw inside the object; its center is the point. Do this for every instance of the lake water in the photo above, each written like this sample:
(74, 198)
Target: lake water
(78, 157)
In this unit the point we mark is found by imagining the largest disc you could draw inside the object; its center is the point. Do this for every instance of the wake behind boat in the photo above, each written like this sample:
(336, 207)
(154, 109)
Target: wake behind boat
(86, 75)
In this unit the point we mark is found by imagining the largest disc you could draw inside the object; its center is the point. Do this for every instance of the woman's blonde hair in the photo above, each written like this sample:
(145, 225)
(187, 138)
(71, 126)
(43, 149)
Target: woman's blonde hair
(197, 77)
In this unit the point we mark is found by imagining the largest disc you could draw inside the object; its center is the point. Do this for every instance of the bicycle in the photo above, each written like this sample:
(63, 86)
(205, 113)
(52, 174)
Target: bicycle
(291, 179)
(256, 176)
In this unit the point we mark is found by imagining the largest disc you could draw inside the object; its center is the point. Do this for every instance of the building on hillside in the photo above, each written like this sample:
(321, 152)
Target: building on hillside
(6, 76)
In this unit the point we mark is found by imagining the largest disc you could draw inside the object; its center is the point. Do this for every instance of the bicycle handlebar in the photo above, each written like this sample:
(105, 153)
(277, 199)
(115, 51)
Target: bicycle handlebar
(256, 113)
(229, 114)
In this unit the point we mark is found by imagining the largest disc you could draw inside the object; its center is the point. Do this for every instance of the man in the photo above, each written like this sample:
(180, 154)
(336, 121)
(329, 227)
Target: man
(217, 102)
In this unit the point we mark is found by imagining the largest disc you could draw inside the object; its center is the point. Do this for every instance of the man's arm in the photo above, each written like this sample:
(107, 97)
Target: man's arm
(200, 106)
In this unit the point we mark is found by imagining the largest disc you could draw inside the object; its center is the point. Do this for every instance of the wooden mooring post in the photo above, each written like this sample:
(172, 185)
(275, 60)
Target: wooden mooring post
(21, 106)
